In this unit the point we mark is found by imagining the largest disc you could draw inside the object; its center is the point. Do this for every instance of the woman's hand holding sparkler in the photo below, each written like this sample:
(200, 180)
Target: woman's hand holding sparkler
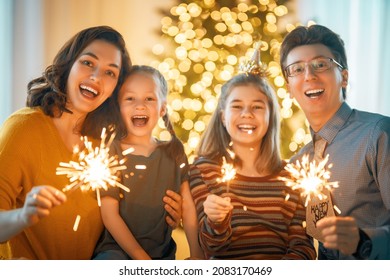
(172, 205)
(341, 233)
(217, 208)
(39, 202)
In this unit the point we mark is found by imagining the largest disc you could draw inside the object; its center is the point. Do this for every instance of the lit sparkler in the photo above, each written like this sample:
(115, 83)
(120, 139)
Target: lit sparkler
(228, 171)
(95, 169)
(311, 178)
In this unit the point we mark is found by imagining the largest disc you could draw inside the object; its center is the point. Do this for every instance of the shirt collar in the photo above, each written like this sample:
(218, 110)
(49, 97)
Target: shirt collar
(334, 125)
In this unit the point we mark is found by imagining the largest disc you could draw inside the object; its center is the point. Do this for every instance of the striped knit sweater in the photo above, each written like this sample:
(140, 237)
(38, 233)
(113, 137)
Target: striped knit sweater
(262, 225)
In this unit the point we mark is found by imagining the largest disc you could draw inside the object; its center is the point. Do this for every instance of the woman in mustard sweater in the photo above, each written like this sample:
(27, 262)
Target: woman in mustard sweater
(63, 104)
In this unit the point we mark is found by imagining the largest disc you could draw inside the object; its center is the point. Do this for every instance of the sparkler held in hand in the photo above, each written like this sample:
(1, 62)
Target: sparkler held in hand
(228, 172)
(311, 179)
(95, 169)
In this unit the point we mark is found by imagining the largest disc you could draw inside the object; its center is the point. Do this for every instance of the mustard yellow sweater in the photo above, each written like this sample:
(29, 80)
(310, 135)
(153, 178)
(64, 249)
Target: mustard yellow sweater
(30, 151)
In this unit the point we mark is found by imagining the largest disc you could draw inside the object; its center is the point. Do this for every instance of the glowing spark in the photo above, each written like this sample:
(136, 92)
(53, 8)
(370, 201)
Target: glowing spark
(336, 209)
(182, 165)
(228, 172)
(310, 178)
(140, 166)
(245, 208)
(76, 223)
(95, 168)
(128, 151)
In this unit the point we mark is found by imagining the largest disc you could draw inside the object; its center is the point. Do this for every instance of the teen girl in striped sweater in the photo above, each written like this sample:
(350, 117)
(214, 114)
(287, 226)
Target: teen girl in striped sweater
(252, 219)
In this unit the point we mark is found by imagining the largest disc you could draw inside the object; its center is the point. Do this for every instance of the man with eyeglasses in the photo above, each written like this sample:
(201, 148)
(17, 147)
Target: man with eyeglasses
(315, 67)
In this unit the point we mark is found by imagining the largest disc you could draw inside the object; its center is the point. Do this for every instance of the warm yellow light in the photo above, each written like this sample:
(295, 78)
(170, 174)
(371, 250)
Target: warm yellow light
(198, 68)
(194, 55)
(158, 49)
(176, 104)
(221, 27)
(187, 124)
(200, 126)
(185, 65)
(210, 66)
(282, 93)
(299, 136)
(236, 28)
(279, 81)
(166, 21)
(196, 105)
(194, 10)
(189, 114)
(271, 27)
(180, 38)
(242, 17)
(293, 146)
(242, 7)
(216, 15)
(193, 142)
(286, 113)
(181, 9)
(196, 88)
(172, 31)
(207, 43)
(218, 39)
(213, 56)
(165, 135)
(210, 105)
(270, 18)
(190, 34)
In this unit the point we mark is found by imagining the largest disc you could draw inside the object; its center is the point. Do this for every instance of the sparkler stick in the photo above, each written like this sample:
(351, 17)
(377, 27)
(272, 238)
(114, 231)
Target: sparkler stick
(95, 168)
(228, 172)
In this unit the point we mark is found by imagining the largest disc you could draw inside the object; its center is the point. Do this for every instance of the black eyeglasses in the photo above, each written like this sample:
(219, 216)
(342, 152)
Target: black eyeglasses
(319, 64)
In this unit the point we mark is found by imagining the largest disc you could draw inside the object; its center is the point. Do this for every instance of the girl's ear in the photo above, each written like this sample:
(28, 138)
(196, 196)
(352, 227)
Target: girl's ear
(223, 118)
(163, 109)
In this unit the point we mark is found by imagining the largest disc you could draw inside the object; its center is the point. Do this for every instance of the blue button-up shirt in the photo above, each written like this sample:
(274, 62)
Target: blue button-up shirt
(359, 149)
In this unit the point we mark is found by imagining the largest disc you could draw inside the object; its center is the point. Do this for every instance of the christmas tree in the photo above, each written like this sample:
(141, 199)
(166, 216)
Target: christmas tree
(206, 40)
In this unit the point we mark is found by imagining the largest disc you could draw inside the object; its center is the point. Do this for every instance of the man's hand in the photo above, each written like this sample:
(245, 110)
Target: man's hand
(341, 233)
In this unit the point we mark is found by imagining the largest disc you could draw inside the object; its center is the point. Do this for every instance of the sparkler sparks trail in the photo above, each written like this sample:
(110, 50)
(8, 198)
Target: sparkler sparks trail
(310, 178)
(95, 168)
(228, 172)
(76, 223)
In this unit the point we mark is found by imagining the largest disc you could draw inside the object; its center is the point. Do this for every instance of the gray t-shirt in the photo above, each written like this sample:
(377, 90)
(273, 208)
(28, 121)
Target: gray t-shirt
(142, 208)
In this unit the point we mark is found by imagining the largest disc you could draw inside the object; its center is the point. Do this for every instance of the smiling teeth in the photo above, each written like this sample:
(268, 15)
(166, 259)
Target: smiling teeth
(314, 91)
(246, 126)
(139, 117)
(89, 89)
